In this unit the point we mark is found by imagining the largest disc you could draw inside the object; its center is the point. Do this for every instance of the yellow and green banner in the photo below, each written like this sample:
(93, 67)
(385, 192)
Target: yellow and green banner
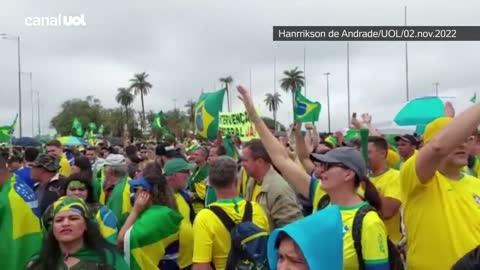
(237, 124)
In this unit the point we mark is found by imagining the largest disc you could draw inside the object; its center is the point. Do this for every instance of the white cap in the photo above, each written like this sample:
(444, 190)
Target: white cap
(115, 160)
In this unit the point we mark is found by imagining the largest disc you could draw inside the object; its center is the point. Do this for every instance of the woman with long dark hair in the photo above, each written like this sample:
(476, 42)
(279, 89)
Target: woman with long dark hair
(74, 241)
(342, 172)
(153, 221)
(80, 186)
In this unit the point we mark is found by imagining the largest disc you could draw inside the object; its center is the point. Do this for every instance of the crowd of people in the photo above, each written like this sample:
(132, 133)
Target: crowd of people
(288, 200)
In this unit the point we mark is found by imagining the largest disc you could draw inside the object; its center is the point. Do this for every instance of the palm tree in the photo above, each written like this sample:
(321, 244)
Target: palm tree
(293, 79)
(141, 86)
(191, 111)
(273, 101)
(227, 81)
(125, 98)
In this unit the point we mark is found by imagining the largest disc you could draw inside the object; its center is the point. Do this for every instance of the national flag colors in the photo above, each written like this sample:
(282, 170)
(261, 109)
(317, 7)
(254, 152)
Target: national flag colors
(7, 131)
(77, 127)
(118, 201)
(147, 240)
(305, 111)
(473, 99)
(157, 121)
(208, 107)
(20, 230)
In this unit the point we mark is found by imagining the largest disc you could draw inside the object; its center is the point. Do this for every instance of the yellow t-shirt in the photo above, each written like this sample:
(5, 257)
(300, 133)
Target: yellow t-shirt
(256, 190)
(185, 233)
(65, 170)
(442, 218)
(211, 238)
(374, 240)
(242, 184)
(388, 185)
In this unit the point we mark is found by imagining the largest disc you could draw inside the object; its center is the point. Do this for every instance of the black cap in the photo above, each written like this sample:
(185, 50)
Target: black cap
(165, 149)
(407, 138)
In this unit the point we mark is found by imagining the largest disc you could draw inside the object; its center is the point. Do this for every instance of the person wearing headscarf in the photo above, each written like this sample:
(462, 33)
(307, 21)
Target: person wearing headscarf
(74, 241)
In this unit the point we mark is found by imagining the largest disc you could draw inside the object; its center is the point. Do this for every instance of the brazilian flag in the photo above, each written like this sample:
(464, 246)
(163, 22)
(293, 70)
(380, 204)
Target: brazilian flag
(119, 201)
(20, 230)
(208, 107)
(146, 242)
(305, 111)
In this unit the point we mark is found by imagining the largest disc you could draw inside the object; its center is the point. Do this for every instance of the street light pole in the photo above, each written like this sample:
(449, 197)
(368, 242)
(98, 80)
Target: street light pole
(5, 36)
(31, 98)
(38, 103)
(436, 88)
(328, 101)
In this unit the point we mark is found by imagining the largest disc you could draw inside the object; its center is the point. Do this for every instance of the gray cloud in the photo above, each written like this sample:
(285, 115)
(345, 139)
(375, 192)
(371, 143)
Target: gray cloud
(187, 45)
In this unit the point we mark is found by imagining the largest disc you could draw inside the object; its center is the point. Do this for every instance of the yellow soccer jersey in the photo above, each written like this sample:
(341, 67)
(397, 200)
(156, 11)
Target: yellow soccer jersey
(185, 233)
(211, 238)
(388, 185)
(442, 218)
(374, 240)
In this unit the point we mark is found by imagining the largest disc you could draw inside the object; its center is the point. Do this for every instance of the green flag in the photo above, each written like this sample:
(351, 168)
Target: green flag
(208, 107)
(305, 111)
(473, 99)
(77, 127)
(351, 134)
(20, 228)
(13, 125)
(5, 134)
(101, 129)
(157, 121)
(92, 126)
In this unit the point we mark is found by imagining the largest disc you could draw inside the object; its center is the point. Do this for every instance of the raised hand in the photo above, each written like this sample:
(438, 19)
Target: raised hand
(448, 109)
(367, 118)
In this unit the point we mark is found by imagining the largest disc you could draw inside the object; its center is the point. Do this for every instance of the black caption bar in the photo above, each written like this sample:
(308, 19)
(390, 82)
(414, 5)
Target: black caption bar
(376, 33)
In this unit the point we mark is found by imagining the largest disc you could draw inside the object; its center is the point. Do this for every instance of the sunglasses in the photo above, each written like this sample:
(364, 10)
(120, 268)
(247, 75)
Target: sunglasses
(328, 166)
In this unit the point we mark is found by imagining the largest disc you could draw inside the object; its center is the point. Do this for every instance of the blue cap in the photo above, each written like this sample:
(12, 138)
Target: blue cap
(319, 237)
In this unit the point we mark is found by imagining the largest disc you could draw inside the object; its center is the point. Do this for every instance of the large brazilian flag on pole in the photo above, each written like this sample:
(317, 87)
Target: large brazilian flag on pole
(208, 107)
(20, 231)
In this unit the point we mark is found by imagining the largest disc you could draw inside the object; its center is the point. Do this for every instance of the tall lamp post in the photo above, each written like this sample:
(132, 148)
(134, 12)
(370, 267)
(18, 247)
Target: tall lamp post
(17, 38)
(30, 74)
(328, 101)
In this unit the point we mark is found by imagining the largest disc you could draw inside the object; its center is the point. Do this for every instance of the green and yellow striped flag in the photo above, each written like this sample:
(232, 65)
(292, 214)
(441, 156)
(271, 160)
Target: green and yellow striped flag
(147, 240)
(20, 232)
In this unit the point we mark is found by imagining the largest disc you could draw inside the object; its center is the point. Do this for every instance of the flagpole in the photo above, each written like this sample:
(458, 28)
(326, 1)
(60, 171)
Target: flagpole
(305, 68)
(275, 81)
(406, 61)
(250, 75)
(348, 83)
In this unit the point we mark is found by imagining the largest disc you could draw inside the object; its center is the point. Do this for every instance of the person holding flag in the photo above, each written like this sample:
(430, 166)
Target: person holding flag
(20, 229)
(150, 234)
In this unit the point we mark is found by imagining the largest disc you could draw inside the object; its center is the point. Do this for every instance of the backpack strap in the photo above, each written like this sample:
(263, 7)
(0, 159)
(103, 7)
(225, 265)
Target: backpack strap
(247, 214)
(324, 202)
(357, 233)
(224, 218)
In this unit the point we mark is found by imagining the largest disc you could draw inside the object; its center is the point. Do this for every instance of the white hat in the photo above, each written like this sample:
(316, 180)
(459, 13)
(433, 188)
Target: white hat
(115, 160)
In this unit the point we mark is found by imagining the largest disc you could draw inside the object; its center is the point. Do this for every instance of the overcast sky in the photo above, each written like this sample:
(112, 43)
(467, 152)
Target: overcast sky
(187, 45)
